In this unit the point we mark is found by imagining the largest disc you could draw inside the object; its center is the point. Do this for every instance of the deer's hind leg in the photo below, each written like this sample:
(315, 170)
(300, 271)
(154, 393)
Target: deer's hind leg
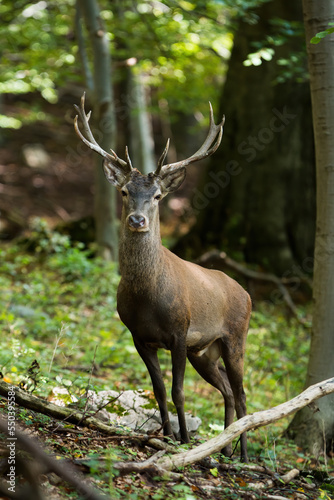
(233, 356)
(208, 365)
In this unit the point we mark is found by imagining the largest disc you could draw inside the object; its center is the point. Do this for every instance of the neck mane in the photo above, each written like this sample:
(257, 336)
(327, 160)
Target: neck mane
(140, 256)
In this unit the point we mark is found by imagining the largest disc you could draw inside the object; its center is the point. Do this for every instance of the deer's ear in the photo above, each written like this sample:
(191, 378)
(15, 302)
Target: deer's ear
(173, 180)
(113, 174)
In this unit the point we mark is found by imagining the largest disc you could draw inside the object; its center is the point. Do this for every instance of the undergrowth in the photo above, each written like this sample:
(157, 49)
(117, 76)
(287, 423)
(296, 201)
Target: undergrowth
(58, 317)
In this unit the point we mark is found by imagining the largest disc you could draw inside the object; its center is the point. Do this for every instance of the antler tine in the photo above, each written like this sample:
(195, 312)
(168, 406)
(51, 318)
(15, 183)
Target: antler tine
(209, 146)
(127, 156)
(91, 142)
(162, 158)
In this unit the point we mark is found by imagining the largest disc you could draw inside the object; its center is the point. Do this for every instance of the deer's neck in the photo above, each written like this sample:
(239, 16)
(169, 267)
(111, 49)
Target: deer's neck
(140, 256)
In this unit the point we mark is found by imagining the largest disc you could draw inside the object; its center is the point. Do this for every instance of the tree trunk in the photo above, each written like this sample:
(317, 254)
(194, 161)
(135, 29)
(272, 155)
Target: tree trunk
(141, 128)
(315, 431)
(105, 130)
(257, 197)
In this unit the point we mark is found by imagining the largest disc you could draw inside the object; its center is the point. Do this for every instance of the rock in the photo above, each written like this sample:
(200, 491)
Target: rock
(131, 412)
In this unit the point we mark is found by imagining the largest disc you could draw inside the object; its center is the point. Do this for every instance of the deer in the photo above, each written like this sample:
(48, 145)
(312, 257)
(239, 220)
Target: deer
(170, 303)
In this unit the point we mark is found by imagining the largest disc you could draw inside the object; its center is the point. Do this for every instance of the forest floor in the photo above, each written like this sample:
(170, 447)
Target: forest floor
(94, 457)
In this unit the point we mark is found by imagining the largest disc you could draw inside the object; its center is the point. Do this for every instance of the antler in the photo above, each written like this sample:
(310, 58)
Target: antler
(91, 142)
(215, 135)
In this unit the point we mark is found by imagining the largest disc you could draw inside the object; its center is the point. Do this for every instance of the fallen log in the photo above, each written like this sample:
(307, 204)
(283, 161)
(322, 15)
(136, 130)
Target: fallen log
(79, 418)
(64, 413)
(259, 419)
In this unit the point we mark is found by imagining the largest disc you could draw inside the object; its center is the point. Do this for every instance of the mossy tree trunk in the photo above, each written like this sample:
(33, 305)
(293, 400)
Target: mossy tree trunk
(315, 431)
(256, 199)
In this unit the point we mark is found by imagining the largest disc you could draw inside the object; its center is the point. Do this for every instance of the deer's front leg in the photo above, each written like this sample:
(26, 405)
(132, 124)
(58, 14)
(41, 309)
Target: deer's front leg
(150, 358)
(179, 359)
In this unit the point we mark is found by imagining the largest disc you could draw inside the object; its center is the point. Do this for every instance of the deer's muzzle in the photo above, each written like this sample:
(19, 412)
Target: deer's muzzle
(137, 222)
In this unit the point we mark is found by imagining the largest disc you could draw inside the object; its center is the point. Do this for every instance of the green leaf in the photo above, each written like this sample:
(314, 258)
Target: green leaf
(214, 472)
(322, 34)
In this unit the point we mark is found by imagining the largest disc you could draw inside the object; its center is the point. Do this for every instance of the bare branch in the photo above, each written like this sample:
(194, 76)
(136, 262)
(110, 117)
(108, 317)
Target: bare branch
(244, 424)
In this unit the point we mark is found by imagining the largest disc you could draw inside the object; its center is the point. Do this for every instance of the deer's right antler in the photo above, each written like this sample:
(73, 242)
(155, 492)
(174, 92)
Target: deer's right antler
(91, 142)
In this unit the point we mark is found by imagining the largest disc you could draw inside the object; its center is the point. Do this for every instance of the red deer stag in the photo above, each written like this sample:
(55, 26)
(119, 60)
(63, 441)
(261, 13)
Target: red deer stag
(169, 303)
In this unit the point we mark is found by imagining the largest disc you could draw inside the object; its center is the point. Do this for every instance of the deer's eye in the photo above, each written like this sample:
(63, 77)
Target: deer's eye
(124, 193)
(157, 197)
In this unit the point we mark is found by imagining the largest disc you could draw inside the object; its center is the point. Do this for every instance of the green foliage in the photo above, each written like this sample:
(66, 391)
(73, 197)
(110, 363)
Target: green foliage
(280, 33)
(44, 241)
(180, 49)
(48, 308)
(319, 36)
(180, 491)
(37, 51)
(273, 346)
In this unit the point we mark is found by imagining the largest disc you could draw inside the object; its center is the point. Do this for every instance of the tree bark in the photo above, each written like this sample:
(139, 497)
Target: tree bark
(105, 130)
(316, 431)
(256, 199)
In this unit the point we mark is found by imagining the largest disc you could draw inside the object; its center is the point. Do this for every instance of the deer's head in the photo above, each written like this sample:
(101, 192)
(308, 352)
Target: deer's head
(141, 193)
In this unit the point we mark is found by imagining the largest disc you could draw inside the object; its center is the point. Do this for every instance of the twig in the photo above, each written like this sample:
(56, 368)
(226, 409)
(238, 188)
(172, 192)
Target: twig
(89, 380)
(270, 483)
(95, 412)
(58, 337)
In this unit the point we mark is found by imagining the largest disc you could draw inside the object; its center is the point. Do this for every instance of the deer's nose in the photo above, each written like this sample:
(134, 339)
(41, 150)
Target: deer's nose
(136, 221)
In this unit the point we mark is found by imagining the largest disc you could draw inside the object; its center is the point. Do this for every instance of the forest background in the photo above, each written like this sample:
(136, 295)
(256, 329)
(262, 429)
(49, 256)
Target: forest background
(149, 70)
